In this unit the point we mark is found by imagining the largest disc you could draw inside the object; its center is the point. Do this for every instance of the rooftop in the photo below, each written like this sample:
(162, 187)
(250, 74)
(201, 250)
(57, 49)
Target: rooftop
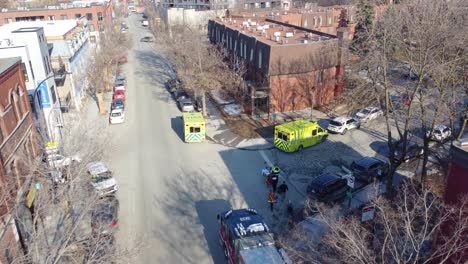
(6, 63)
(74, 4)
(51, 28)
(275, 33)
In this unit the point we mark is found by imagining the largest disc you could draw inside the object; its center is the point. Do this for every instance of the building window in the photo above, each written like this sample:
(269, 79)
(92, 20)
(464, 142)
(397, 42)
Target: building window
(99, 16)
(329, 21)
(91, 27)
(251, 54)
(51, 17)
(260, 55)
(305, 23)
(320, 77)
(13, 105)
(101, 27)
(8, 20)
(32, 71)
(89, 17)
(20, 102)
(77, 16)
(63, 17)
(25, 72)
(54, 96)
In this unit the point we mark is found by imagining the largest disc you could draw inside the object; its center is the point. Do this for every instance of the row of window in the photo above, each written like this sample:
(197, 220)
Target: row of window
(231, 43)
(18, 104)
(89, 17)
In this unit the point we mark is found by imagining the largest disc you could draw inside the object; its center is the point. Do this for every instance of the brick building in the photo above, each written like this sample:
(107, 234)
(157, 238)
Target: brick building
(18, 147)
(289, 67)
(98, 14)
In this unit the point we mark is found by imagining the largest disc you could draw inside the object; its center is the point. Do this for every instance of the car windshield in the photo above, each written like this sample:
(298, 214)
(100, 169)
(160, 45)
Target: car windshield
(366, 111)
(357, 167)
(260, 240)
(116, 114)
(335, 123)
(101, 177)
(187, 103)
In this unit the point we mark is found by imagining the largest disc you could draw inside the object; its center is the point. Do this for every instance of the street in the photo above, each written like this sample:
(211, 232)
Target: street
(170, 192)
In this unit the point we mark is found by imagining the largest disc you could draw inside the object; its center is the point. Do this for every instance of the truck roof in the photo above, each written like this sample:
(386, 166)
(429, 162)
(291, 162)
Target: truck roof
(193, 117)
(296, 125)
(245, 222)
(268, 254)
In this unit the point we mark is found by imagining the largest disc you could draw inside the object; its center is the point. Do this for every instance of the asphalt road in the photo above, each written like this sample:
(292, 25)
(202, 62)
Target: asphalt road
(170, 191)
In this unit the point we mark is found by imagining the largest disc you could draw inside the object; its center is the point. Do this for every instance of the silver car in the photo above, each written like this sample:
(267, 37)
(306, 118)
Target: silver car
(186, 105)
(368, 113)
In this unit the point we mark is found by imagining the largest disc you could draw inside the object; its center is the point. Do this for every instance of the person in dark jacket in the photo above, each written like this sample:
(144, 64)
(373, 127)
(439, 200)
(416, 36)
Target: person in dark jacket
(282, 189)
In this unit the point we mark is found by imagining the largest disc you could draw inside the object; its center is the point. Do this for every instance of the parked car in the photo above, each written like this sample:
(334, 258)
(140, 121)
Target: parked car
(102, 178)
(343, 124)
(440, 133)
(59, 161)
(118, 104)
(368, 113)
(186, 105)
(173, 85)
(119, 94)
(105, 217)
(146, 39)
(123, 59)
(413, 150)
(180, 94)
(121, 79)
(369, 168)
(198, 104)
(327, 188)
(117, 116)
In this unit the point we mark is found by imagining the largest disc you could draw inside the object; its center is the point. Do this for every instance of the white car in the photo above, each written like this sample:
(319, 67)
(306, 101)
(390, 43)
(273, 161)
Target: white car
(440, 133)
(117, 116)
(186, 105)
(342, 124)
(59, 161)
(102, 178)
(368, 113)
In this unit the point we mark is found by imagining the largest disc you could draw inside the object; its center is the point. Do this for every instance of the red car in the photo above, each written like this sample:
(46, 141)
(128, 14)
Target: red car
(123, 59)
(119, 94)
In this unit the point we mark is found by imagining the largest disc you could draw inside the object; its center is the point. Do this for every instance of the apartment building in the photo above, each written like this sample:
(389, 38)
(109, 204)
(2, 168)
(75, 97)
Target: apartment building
(17, 148)
(324, 19)
(98, 13)
(30, 44)
(70, 49)
(289, 67)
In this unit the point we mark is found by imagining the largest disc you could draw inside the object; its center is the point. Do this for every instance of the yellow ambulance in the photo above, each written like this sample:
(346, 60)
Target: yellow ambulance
(299, 134)
(194, 127)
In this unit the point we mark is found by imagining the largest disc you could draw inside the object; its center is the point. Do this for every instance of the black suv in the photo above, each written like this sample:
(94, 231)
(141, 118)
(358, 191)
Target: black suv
(413, 150)
(327, 188)
(369, 168)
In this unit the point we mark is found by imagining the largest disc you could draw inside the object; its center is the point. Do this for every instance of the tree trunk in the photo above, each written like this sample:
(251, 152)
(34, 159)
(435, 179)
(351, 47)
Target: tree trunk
(102, 108)
(204, 103)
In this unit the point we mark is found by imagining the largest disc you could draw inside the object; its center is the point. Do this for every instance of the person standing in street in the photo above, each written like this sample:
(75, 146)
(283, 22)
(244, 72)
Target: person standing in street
(271, 199)
(282, 189)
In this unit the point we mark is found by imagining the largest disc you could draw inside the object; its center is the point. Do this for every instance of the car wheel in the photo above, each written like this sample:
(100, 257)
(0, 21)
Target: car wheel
(300, 148)
(358, 126)
(324, 138)
(344, 131)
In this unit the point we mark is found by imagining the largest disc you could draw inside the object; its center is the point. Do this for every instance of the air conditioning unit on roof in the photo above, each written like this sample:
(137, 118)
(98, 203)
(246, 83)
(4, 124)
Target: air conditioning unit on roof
(289, 34)
(277, 34)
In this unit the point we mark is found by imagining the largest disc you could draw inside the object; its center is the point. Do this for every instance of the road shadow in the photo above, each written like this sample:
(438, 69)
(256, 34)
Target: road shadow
(177, 126)
(207, 211)
(192, 201)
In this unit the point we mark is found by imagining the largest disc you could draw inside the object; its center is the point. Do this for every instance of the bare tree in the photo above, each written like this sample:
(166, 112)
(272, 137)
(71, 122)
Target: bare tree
(412, 227)
(58, 227)
(424, 39)
(113, 45)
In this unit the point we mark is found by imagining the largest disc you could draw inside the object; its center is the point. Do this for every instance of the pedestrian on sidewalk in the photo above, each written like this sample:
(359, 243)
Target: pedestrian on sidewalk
(271, 199)
(282, 189)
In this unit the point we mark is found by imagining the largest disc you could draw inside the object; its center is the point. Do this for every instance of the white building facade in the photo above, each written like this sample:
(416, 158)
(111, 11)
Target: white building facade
(30, 44)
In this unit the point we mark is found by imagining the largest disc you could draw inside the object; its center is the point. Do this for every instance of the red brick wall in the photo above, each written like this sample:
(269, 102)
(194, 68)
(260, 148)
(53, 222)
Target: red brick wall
(9, 247)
